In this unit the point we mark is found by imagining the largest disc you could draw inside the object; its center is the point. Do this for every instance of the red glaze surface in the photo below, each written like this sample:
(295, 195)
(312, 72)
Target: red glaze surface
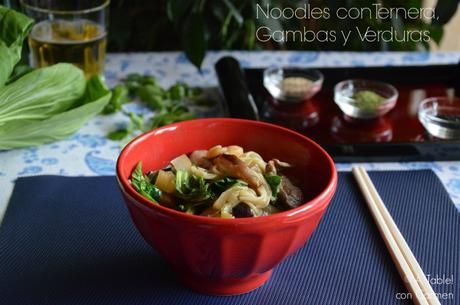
(227, 256)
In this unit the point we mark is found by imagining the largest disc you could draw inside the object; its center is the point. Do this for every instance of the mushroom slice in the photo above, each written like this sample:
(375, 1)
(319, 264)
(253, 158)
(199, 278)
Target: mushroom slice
(200, 158)
(275, 165)
(230, 165)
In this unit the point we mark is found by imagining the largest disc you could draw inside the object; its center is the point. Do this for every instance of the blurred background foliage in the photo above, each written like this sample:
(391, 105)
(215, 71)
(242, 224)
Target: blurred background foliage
(199, 25)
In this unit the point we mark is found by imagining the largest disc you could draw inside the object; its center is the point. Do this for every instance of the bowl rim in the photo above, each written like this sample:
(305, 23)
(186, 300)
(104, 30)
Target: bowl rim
(312, 205)
(436, 99)
(388, 100)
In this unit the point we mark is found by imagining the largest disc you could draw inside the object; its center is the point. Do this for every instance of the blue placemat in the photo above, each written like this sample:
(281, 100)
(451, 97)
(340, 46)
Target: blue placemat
(71, 241)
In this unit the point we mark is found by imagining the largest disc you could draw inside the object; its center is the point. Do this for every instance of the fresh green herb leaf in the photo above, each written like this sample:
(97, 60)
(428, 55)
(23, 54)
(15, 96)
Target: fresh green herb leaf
(137, 120)
(149, 80)
(119, 134)
(142, 184)
(170, 105)
(177, 91)
(152, 95)
(119, 97)
(274, 182)
(165, 117)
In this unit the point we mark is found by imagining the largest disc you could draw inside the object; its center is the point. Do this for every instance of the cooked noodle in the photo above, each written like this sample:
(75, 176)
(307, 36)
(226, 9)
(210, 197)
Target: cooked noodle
(221, 182)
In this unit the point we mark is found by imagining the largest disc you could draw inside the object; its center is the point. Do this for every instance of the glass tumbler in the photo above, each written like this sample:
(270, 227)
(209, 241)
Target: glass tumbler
(73, 31)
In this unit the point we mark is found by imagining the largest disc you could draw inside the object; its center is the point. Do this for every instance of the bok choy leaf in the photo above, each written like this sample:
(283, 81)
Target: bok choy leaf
(274, 181)
(192, 188)
(142, 184)
(41, 93)
(45, 104)
(14, 28)
(25, 133)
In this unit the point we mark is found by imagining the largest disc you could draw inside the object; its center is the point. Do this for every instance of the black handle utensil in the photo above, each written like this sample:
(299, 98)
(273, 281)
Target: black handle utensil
(232, 82)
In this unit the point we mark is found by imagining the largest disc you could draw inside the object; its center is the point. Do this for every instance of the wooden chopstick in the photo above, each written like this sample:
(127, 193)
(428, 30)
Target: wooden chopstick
(408, 267)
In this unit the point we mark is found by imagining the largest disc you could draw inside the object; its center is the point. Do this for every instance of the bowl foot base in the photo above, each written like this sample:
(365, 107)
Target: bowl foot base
(224, 287)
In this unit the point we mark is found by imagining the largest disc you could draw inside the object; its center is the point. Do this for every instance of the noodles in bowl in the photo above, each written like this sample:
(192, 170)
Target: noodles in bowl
(210, 253)
(224, 182)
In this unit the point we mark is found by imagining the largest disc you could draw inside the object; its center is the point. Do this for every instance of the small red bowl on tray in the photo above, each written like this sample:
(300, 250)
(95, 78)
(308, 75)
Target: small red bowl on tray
(227, 256)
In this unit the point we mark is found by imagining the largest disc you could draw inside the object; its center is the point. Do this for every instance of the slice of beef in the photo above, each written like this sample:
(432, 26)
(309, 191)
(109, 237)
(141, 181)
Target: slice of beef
(289, 195)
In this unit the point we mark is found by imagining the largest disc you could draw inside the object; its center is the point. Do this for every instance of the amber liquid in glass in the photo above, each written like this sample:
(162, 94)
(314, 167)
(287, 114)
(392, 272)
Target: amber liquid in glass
(80, 42)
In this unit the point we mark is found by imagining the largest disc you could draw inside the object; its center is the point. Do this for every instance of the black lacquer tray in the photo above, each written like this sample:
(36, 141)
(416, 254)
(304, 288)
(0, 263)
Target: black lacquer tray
(398, 136)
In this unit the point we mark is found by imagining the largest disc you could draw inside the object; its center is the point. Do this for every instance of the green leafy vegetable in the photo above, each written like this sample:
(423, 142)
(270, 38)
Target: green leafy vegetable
(191, 187)
(221, 185)
(119, 134)
(42, 105)
(41, 93)
(166, 117)
(119, 97)
(178, 91)
(274, 181)
(14, 28)
(152, 96)
(134, 81)
(19, 71)
(136, 119)
(142, 184)
(170, 106)
(26, 133)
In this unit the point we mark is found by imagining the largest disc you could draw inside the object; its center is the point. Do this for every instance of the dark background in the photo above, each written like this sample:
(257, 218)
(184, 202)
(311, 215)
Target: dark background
(199, 25)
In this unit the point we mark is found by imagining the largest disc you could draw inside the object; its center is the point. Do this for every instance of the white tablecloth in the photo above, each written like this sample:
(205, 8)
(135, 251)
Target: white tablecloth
(89, 153)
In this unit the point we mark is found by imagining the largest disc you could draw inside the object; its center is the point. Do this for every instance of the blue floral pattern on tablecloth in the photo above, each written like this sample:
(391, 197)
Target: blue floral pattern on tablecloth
(88, 152)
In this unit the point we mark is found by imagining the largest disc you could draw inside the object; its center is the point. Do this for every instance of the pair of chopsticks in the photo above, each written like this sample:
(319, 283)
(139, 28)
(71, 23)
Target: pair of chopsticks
(408, 267)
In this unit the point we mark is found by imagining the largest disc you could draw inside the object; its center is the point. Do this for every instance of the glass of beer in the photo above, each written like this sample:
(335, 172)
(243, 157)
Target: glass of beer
(72, 31)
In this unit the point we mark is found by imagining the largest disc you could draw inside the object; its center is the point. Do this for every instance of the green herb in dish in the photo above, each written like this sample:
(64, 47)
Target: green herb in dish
(367, 99)
(220, 182)
(274, 181)
(143, 185)
(192, 187)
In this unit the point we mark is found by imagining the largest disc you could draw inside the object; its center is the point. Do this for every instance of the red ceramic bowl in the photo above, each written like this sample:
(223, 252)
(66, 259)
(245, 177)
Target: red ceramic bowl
(227, 256)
